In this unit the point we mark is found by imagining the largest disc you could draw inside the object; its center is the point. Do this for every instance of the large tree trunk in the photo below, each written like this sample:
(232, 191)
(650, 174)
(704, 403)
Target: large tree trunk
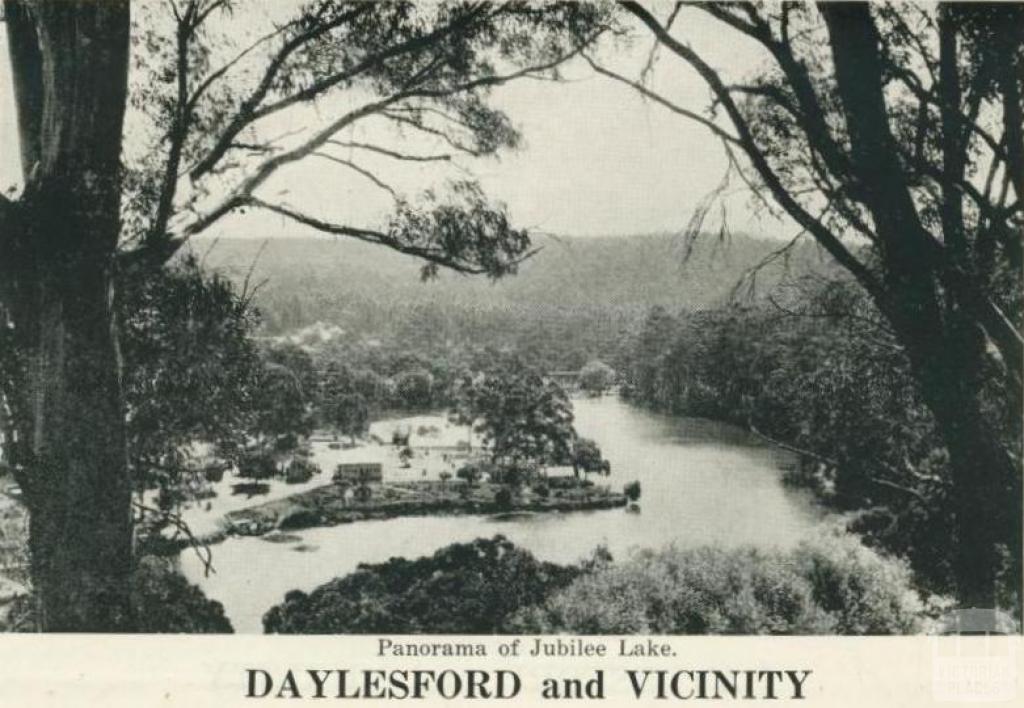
(985, 482)
(941, 326)
(80, 523)
(70, 62)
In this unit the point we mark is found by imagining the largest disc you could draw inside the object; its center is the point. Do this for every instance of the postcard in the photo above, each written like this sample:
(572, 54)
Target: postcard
(577, 352)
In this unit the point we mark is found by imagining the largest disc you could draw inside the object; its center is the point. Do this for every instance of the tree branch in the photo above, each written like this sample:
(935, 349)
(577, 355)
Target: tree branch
(378, 237)
(824, 236)
(250, 111)
(391, 153)
(364, 172)
(657, 98)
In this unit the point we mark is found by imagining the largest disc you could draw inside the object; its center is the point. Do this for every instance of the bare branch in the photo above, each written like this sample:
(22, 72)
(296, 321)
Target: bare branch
(429, 130)
(391, 153)
(244, 192)
(180, 123)
(363, 171)
(250, 111)
(824, 236)
(201, 549)
(212, 78)
(657, 98)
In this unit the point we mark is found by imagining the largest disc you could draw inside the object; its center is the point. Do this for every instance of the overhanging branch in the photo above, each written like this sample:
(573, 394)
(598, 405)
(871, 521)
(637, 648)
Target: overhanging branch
(823, 235)
(433, 255)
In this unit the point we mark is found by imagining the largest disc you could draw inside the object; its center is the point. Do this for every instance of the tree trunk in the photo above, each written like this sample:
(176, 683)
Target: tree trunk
(986, 484)
(80, 505)
(70, 65)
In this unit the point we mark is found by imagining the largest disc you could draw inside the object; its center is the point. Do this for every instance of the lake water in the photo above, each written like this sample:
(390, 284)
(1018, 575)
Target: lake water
(702, 483)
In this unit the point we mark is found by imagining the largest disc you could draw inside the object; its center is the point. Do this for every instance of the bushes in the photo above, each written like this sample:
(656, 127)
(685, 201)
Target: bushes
(632, 490)
(166, 603)
(467, 588)
(836, 586)
(298, 517)
(503, 499)
(832, 586)
(257, 465)
(862, 591)
(300, 470)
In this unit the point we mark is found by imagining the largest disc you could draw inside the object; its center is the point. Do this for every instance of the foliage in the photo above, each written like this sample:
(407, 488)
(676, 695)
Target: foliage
(191, 372)
(256, 465)
(831, 587)
(578, 299)
(895, 122)
(300, 470)
(520, 415)
(470, 472)
(165, 601)
(349, 414)
(632, 490)
(586, 456)
(596, 377)
(414, 389)
(503, 498)
(464, 588)
(819, 371)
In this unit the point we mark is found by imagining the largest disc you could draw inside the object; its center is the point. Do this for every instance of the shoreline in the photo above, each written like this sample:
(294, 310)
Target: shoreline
(328, 505)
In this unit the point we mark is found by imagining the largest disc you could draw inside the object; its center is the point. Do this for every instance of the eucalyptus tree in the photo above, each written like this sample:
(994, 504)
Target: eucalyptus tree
(892, 135)
(520, 415)
(94, 206)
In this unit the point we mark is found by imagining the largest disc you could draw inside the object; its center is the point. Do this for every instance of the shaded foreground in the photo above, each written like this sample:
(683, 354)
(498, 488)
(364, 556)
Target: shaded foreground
(833, 585)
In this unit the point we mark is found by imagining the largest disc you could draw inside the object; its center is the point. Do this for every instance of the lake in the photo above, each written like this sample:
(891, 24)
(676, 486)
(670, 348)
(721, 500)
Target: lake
(702, 483)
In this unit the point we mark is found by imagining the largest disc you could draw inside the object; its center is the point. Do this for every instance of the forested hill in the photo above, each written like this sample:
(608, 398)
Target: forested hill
(584, 292)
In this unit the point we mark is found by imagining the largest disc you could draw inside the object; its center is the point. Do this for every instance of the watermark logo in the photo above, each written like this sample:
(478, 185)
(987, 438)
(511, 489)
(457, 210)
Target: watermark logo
(975, 659)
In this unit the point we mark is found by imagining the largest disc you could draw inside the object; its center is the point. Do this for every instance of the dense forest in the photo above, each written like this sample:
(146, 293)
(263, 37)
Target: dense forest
(577, 299)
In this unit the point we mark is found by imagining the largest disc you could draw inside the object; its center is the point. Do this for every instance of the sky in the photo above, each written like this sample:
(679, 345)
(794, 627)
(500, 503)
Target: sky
(597, 158)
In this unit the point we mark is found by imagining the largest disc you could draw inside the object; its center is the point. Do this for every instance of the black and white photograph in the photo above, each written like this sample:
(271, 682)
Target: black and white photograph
(542, 319)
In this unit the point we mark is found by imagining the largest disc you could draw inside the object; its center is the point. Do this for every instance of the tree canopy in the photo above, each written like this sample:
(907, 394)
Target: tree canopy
(521, 416)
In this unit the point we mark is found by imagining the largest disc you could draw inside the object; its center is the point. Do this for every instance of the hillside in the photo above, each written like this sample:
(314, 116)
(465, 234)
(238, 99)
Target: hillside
(577, 298)
(630, 273)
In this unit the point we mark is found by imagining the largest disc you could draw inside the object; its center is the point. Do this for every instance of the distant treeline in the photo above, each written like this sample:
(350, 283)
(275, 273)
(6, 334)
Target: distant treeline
(578, 299)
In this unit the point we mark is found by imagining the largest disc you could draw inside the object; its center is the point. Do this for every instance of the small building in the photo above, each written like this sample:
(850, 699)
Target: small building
(359, 472)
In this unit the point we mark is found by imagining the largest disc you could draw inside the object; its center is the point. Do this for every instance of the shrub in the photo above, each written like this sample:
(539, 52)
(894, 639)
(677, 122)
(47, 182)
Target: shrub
(298, 518)
(300, 470)
(864, 592)
(165, 602)
(213, 474)
(464, 588)
(632, 490)
(257, 466)
(503, 498)
(835, 586)
(469, 472)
